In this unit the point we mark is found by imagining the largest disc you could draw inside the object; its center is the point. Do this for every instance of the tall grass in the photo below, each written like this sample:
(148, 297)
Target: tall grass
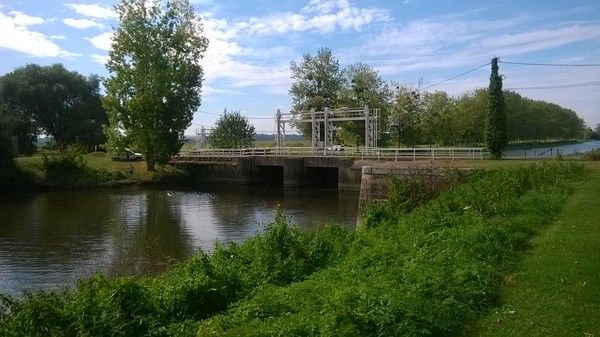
(422, 267)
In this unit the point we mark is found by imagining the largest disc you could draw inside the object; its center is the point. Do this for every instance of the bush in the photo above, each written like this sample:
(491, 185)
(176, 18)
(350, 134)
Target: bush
(593, 155)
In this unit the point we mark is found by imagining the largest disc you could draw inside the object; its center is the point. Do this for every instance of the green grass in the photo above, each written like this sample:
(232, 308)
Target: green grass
(556, 291)
(98, 170)
(420, 266)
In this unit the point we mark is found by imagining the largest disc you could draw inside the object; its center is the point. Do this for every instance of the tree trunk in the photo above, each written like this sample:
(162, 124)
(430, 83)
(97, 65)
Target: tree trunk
(150, 164)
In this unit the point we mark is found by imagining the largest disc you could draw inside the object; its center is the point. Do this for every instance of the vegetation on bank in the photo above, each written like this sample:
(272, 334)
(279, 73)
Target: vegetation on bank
(427, 268)
(72, 169)
(554, 291)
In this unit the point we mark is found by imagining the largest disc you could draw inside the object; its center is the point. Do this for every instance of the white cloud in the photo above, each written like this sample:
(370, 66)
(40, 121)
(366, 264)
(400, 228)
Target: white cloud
(102, 41)
(57, 37)
(102, 59)
(455, 41)
(22, 19)
(208, 90)
(93, 11)
(227, 59)
(17, 36)
(82, 23)
(202, 2)
(319, 15)
(540, 39)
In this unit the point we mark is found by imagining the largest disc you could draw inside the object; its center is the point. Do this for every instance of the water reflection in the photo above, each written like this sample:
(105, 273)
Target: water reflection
(49, 240)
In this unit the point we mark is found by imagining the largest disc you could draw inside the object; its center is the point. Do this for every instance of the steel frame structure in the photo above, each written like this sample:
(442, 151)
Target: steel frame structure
(324, 121)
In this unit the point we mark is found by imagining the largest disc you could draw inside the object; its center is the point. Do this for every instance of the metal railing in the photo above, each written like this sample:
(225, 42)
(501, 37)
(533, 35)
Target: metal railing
(433, 153)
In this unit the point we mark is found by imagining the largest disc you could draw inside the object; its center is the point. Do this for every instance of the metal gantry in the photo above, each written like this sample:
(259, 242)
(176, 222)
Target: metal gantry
(202, 137)
(323, 124)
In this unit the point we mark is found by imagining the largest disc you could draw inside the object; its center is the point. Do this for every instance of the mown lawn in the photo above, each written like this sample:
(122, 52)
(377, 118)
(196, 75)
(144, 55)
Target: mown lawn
(556, 291)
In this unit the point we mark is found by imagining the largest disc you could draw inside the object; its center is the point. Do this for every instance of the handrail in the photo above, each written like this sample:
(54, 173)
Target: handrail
(414, 153)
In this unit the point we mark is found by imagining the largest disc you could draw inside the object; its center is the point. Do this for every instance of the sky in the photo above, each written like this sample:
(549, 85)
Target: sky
(247, 63)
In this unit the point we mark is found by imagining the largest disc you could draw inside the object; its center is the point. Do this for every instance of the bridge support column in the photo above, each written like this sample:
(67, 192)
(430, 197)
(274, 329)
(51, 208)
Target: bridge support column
(293, 171)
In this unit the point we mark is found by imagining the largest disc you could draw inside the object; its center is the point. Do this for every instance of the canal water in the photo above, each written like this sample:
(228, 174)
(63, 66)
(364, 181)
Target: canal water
(50, 240)
(551, 151)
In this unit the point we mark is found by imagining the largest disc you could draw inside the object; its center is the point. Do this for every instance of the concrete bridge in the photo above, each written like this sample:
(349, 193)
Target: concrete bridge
(305, 166)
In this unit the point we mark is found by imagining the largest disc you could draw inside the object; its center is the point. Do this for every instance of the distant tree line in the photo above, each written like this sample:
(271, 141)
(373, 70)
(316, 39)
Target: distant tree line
(410, 117)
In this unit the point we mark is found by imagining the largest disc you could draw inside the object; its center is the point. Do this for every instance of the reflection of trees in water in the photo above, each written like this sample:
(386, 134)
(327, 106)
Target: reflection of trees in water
(63, 226)
(239, 209)
(311, 208)
(306, 207)
(155, 238)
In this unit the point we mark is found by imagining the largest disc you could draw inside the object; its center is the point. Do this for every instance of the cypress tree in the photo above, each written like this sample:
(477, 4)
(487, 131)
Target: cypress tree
(495, 126)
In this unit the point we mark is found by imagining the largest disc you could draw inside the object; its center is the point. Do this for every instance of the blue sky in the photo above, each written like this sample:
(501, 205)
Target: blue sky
(252, 43)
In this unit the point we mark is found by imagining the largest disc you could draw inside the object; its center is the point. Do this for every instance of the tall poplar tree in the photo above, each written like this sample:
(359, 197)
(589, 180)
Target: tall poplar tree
(316, 84)
(155, 77)
(495, 127)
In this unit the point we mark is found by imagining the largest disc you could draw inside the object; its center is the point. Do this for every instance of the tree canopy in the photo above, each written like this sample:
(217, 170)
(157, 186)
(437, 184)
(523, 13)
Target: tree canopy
(155, 77)
(362, 85)
(232, 130)
(53, 100)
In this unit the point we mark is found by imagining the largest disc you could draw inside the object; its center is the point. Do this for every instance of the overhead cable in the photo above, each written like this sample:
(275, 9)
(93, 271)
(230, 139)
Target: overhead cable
(456, 76)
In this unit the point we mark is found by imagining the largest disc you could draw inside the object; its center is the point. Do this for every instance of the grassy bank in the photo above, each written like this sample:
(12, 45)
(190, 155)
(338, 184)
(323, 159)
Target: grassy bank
(428, 268)
(92, 170)
(556, 290)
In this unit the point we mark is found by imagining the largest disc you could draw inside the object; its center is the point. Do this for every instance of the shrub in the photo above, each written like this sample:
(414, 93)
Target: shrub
(593, 155)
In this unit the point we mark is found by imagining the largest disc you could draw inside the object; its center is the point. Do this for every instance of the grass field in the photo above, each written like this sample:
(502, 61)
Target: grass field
(556, 290)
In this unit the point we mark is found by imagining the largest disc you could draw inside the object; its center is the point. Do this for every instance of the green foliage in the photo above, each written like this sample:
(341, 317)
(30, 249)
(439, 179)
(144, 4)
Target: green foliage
(405, 116)
(362, 85)
(593, 155)
(68, 169)
(425, 273)
(6, 152)
(316, 83)
(12, 177)
(63, 104)
(232, 130)
(428, 267)
(438, 119)
(156, 77)
(495, 122)
(14, 125)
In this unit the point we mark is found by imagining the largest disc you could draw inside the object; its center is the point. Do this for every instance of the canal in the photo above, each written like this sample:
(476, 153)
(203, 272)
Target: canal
(50, 240)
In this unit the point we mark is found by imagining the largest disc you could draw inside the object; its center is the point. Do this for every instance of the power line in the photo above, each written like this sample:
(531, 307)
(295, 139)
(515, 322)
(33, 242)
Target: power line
(560, 86)
(551, 64)
(457, 76)
(249, 117)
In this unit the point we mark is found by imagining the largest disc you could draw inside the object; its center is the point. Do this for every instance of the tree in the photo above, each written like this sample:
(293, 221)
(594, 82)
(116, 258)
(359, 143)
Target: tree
(316, 84)
(155, 77)
(470, 113)
(63, 104)
(405, 115)
(232, 130)
(362, 86)
(438, 119)
(495, 127)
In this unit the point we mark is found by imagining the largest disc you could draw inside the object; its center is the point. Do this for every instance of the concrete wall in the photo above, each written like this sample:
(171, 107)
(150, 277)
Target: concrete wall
(338, 172)
(375, 182)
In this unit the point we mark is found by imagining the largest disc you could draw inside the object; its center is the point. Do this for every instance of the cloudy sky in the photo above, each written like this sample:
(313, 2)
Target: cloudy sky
(252, 43)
